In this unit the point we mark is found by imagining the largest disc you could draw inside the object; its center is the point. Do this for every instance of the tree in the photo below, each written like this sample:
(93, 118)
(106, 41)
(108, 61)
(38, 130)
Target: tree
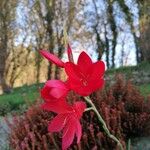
(113, 27)
(7, 16)
(130, 21)
(144, 28)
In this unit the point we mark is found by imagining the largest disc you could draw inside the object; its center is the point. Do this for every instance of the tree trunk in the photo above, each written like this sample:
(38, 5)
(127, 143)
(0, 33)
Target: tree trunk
(49, 18)
(3, 56)
(2, 70)
(113, 26)
(144, 19)
(57, 69)
(38, 65)
(107, 49)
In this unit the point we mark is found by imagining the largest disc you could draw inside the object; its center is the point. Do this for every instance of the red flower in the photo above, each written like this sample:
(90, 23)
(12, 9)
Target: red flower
(67, 120)
(54, 90)
(86, 76)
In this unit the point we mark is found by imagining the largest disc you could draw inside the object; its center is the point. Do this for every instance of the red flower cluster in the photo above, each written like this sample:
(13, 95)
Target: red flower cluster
(84, 78)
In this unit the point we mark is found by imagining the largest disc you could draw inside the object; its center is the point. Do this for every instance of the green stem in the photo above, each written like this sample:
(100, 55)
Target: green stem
(129, 144)
(88, 109)
(88, 100)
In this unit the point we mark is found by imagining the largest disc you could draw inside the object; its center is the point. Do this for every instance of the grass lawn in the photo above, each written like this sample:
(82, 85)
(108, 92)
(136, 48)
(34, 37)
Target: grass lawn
(18, 97)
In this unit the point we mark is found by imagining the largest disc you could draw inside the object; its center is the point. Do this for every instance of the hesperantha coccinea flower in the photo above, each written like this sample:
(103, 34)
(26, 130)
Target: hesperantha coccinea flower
(83, 78)
(67, 120)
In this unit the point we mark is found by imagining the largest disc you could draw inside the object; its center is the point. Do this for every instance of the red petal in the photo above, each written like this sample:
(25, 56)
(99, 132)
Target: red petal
(70, 55)
(54, 89)
(68, 133)
(78, 131)
(80, 89)
(58, 93)
(92, 86)
(45, 94)
(97, 84)
(58, 106)
(98, 70)
(79, 108)
(72, 70)
(58, 123)
(84, 62)
(74, 83)
(52, 58)
(56, 83)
